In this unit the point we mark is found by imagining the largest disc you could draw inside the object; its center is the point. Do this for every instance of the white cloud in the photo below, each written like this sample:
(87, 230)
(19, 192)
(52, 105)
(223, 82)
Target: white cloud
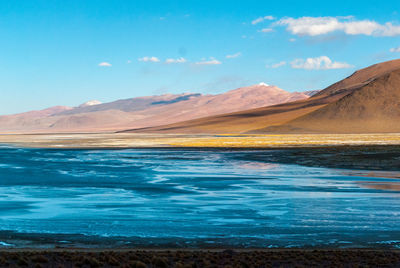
(395, 49)
(232, 56)
(128, 61)
(104, 64)
(212, 61)
(261, 19)
(149, 59)
(279, 64)
(178, 60)
(318, 63)
(313, 26)
(292, 40)
(266, 30)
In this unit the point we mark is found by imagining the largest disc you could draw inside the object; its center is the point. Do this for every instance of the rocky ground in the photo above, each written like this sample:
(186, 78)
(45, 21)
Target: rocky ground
(200, 258)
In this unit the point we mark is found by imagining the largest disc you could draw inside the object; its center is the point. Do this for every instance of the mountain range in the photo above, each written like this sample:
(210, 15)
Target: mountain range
(368, 101)
(143, 112)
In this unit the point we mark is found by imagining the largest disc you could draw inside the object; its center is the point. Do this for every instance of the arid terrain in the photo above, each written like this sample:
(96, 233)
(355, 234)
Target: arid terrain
(140, 112)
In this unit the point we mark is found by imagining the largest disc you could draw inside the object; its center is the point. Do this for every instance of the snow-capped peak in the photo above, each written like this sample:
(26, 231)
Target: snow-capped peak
(90, 103)
(263, 84)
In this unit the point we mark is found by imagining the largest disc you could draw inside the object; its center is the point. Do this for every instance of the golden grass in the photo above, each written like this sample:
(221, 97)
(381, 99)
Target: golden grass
(290, 140)
(126, 140)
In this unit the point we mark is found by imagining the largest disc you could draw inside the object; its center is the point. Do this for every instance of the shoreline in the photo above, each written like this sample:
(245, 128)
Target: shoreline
(200, 258)
(355, 157)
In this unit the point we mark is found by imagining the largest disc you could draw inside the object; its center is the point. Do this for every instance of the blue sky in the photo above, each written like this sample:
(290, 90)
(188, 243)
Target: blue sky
(69, 52)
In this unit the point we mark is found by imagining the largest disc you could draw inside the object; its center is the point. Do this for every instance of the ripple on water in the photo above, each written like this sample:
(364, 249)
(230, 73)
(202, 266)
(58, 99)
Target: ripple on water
(214, 196)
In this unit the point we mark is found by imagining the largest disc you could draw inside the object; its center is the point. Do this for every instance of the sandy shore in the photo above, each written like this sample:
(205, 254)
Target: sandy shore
(126, 140)
(200, 258)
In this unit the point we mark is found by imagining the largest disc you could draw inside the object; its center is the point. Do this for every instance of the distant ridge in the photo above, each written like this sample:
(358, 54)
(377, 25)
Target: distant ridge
(140, 112)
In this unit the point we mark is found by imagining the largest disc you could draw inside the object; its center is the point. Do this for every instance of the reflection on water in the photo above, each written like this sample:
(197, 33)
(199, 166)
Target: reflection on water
(389, 180)
(373, 174)
(390, 186)
(191, 198)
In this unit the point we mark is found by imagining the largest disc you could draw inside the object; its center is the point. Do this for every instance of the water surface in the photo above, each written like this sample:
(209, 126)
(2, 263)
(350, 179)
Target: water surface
(190, 198)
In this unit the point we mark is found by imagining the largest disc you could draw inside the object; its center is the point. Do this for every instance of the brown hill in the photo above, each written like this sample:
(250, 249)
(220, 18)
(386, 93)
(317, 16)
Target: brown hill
(144, 111)
(360, 78)
(372, 108)
(366, 101)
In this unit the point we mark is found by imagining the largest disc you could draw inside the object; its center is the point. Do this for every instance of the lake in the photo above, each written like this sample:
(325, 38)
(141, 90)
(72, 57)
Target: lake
(191, 198)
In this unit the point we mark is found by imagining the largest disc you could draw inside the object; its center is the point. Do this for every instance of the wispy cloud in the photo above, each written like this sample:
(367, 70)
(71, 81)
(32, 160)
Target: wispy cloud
(318, 63)
(211, 61)
(395, 49)
(261, 19)
(314, 26)
(178, 60)
(104, 64)
(279, 64)
(149, 59)
(266, 30)
(232, 56)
